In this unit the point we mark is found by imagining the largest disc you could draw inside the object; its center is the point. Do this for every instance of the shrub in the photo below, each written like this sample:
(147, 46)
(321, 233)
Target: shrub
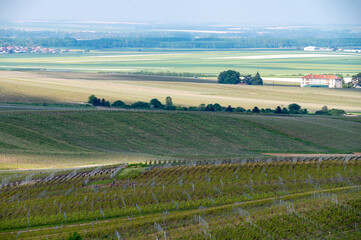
(336, 112)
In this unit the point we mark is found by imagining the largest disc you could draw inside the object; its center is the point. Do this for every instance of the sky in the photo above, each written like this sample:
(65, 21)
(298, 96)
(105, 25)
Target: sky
(310, 12)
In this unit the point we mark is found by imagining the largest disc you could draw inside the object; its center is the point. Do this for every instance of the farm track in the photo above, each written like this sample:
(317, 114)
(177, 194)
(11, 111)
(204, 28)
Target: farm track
(193, 211)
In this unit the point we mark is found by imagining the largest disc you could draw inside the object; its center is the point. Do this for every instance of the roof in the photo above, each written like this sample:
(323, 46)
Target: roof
(311, 76)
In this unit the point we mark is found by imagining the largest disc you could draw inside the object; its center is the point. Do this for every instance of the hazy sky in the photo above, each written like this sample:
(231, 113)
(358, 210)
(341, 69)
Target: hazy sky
(188, 11)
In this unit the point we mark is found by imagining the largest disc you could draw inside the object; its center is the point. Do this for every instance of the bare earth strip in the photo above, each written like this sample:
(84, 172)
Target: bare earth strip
(279, 56)
(311, 155)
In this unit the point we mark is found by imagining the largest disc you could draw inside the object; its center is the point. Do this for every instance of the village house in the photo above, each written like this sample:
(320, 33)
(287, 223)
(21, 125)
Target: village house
(330, 81)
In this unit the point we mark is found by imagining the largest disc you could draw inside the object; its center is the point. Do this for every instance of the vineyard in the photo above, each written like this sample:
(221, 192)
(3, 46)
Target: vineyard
(259, 198)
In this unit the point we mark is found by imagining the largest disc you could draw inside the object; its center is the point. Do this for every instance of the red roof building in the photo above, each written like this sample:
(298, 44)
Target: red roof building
(331, 81)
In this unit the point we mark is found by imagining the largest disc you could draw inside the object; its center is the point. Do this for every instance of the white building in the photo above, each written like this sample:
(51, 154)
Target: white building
(311, 48)
(330, 81)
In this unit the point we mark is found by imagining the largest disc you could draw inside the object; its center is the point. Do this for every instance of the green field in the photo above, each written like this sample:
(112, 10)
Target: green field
(290, 198)
(105, 173)
(40, 139)
(271, 63)
(74, 87)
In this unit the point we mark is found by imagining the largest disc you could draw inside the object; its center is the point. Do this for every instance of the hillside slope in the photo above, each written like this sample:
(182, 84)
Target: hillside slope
(174, 133)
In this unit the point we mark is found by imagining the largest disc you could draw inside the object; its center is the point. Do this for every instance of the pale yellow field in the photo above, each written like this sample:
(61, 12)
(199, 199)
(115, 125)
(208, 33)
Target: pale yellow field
(68, 87)
(53, 161)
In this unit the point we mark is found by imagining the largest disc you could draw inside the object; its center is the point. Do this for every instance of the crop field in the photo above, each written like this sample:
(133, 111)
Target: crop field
(259, 198)
(72, 87)
(269, 63)
(34, 139)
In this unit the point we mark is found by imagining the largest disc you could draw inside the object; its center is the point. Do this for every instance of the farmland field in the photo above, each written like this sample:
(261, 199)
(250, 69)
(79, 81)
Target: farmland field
(76, 87)
(270, 63)
(34, 139)
(66, 167)
(283, 198)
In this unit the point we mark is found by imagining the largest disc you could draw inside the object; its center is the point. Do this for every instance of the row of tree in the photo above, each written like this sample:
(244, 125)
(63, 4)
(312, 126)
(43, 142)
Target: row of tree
(156, 104)
(234, 77)
(175, 42)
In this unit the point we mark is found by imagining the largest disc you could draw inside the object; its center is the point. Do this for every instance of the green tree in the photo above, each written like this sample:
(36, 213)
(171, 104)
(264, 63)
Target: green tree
(210, 107)
(348, 85)
(168, 101)
(156, 103)
(323, 111)
(247, 79)
(294, 108)
(201, 107)
(256, 80)
(356, 80)
(229, 108)
(278, 110)
(255, 110)
(218, 107)
(336, 112)
(240, 109)
(92, 98)
(229, 77)
(119, 103)
(140, 105)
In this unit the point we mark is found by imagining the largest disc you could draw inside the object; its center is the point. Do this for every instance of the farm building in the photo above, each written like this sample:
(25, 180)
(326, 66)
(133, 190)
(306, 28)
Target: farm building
(311, 48)
(330, 81)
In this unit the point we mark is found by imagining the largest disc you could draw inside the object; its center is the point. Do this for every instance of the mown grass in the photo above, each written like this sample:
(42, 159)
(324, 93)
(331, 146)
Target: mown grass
(120, 136)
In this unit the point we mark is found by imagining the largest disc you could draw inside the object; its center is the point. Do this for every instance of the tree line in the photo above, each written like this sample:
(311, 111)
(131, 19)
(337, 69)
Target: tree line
(168, 105)
(175, 42)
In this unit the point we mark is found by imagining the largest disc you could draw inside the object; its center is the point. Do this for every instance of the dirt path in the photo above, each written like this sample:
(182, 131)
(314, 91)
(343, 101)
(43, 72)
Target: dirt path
(311, 155)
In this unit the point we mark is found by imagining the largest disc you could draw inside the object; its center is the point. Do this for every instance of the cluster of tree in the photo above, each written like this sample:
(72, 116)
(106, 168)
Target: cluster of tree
(234, 77)
(334, 112)
(355, 81)
(156, 104)
(153, 104)
(93, 100)
(181, 42)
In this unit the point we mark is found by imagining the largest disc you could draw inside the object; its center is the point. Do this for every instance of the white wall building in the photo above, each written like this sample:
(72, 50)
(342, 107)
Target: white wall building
(311, 48)
(330, 81)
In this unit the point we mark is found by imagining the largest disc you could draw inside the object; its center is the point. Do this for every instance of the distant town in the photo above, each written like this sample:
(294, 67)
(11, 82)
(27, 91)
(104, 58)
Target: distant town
(22, 49)
(313, 48)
